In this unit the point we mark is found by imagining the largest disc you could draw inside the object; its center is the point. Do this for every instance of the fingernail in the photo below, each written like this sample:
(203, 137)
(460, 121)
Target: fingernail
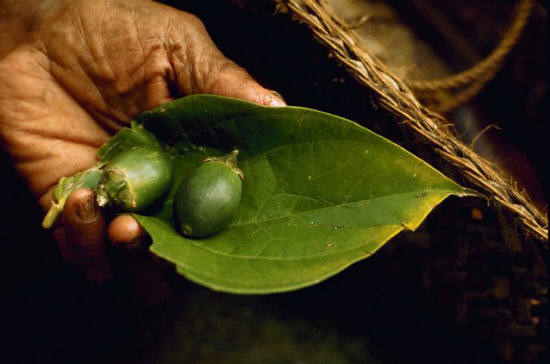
(277, 100)
(86, 210)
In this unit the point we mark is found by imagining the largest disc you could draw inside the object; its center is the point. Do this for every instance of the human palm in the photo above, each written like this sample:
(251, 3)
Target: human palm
(74, 72)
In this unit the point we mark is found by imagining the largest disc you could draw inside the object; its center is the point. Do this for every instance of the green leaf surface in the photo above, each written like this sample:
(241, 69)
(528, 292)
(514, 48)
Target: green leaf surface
(320, 192)
(126, 138)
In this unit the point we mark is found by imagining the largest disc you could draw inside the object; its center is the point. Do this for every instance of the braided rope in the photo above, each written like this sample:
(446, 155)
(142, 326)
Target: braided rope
(395, 96)
(446, 101)
(490, 64)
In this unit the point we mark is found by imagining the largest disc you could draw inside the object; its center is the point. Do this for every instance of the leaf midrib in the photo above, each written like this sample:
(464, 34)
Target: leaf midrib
(246, 257)
(449, 192)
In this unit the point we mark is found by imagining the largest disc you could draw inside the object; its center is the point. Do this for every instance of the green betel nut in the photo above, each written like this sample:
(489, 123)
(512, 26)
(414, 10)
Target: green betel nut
(135, 179)
(207, 202)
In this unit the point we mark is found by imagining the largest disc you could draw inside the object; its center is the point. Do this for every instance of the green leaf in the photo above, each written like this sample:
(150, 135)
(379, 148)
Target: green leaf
(320, 193)
(126, 138)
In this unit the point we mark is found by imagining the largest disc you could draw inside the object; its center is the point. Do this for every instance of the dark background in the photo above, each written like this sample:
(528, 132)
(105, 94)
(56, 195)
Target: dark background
(368, 313)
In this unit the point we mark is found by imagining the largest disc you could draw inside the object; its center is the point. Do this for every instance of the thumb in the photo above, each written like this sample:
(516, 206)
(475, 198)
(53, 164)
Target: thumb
(81, 240)
(200, 67)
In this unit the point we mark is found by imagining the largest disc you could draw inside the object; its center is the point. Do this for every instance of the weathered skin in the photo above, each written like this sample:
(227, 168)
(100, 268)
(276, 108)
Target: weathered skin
(72, 72)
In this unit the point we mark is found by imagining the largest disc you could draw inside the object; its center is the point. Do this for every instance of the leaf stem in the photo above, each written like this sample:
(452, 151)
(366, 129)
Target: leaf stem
(51, 216)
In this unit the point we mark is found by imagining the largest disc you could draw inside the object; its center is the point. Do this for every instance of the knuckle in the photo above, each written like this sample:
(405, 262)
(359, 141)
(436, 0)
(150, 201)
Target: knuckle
(221, 73)
(192, 20)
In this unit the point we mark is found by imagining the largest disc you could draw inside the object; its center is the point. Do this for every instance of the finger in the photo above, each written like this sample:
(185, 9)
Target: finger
(200, 67)
(81, 239)
(125, 232)
(228, 79)
(145, 274)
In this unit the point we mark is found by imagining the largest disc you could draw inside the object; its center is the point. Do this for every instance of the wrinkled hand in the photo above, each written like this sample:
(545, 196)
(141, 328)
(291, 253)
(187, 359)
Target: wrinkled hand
(74, 72)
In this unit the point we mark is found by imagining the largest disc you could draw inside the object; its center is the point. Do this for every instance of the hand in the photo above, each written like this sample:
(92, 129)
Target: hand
(74, 72)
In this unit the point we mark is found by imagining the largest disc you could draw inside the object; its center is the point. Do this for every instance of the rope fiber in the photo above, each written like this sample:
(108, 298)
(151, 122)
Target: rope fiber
(453, 91)
(395, 96)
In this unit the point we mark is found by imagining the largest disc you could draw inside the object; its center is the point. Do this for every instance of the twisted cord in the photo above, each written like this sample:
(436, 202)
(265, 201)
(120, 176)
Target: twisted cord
(490, 64)
(396, 97)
